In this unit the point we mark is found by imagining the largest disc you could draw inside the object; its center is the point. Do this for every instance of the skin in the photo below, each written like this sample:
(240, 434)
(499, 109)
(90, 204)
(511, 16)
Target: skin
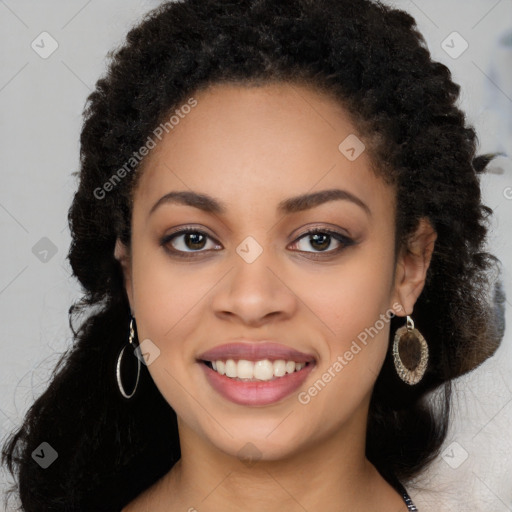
(250, 148)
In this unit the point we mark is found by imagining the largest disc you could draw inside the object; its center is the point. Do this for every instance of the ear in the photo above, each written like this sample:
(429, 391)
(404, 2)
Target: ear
(122, 254)
(412, 265)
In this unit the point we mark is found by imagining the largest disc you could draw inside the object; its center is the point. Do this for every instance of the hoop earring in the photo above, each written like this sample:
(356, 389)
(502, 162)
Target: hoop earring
(118, 366)
(416, 350)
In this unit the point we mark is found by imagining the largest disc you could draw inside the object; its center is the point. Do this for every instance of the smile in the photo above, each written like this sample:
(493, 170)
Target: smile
(255, 372)
(252, 371)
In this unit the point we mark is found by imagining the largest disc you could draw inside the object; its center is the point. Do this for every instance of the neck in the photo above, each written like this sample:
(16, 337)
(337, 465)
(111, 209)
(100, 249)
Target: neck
(333, 475)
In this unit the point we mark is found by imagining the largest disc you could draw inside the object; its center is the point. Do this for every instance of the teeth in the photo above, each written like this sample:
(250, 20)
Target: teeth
(220, 367)
(231, 368)
(290, 366)
(263, 370)
(259, 370)
(279, 368)
(244, 369)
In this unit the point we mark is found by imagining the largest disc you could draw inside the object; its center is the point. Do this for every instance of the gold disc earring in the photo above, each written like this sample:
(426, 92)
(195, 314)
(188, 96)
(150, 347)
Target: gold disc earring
(410, 353)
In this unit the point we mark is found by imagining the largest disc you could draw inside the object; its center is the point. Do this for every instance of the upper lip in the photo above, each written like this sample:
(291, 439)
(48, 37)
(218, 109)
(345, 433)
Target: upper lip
(252, 351)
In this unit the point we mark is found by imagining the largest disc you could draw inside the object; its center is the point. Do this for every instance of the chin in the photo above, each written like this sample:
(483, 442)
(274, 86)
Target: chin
(265, 439)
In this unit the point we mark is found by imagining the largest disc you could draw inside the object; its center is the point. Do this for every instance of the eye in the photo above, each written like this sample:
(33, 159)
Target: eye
(187, 241)
(321, 239)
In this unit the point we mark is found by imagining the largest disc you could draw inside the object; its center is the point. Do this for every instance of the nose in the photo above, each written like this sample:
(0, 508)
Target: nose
(254, 293)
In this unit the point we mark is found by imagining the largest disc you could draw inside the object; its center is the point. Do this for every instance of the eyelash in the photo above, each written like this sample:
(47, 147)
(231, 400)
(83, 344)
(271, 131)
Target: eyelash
(342, 239)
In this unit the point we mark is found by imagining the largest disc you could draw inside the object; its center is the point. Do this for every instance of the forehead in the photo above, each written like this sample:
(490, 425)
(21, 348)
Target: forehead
(243, 143)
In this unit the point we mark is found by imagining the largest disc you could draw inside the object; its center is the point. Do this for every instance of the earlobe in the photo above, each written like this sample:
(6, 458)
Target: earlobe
(412, 265)
(120, 251)
(121, 254)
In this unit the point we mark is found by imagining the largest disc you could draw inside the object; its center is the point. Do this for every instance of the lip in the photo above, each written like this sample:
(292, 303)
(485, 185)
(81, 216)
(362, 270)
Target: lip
(255, 393)
(252, 351)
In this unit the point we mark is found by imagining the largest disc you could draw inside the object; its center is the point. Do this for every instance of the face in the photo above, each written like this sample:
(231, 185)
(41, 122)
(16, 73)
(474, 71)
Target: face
(240, 267)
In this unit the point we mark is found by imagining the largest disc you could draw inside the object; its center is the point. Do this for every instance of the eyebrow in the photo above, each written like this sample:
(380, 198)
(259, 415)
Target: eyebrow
(295, 204)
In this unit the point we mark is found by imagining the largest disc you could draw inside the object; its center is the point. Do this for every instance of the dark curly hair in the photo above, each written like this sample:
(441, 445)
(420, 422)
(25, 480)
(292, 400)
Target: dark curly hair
(372, 59)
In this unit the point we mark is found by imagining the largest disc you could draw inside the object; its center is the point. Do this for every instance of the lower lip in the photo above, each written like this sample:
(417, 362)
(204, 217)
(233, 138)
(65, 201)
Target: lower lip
(257, 392)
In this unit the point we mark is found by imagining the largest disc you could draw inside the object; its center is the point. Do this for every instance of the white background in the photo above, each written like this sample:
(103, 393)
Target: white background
(41, 101)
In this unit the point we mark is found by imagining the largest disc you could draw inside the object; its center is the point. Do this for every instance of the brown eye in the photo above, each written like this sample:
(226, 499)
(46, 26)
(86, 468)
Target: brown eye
(322, 240)
(187, 241)
(194, 241)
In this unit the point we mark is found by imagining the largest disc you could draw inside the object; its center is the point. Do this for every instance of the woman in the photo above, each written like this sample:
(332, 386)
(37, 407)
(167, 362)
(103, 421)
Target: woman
(280, 236)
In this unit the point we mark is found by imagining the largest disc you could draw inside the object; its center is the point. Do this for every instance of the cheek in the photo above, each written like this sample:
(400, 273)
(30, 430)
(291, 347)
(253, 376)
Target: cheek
(342, 299)
(342, 304)
(168, 305)
(355, 312)
(165, 299)
(353, 297)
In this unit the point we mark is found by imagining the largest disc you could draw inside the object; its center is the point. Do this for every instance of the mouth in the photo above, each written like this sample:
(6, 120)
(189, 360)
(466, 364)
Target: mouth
(255, 374)
(263, 370)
